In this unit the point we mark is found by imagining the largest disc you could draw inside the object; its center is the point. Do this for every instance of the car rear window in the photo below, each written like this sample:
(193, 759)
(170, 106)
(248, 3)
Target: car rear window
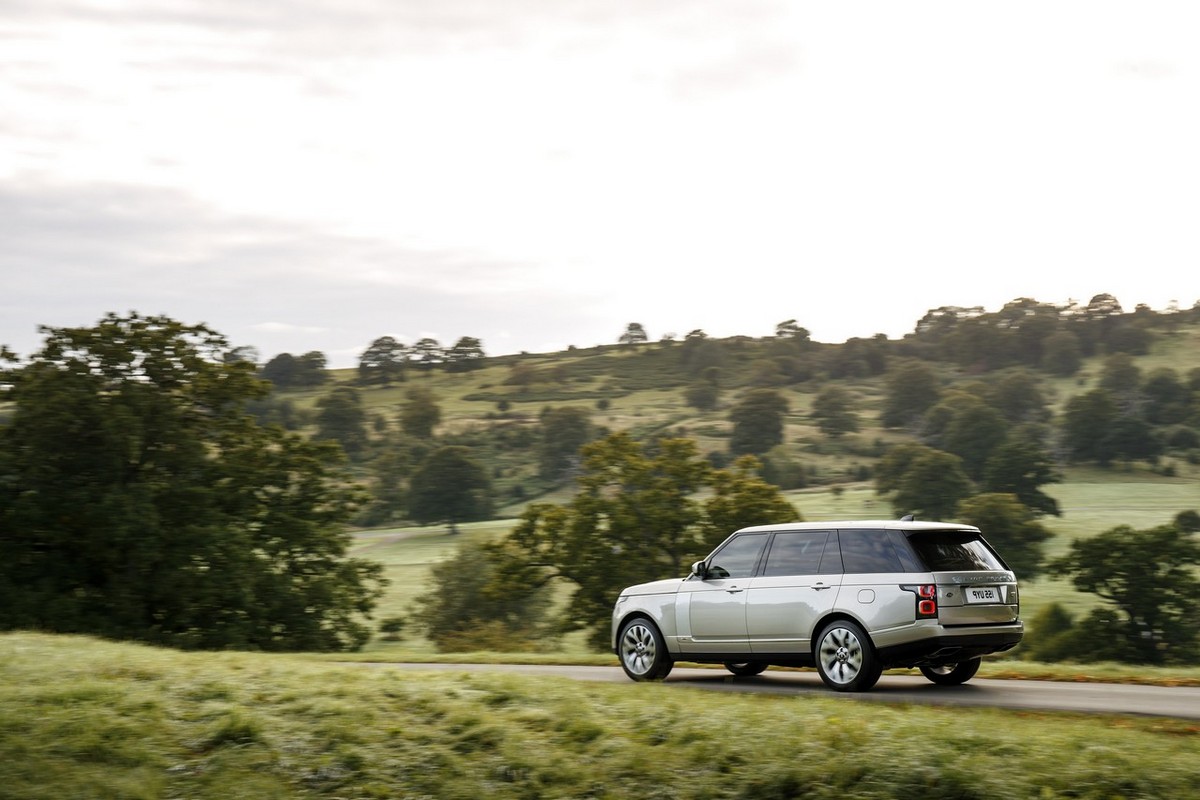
(953, 551)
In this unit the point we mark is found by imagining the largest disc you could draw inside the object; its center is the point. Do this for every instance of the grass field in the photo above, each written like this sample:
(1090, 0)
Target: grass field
(80, 718)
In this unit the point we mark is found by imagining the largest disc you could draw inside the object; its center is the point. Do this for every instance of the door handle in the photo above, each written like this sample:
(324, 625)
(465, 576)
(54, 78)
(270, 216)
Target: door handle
(733, 590)
(820, 586)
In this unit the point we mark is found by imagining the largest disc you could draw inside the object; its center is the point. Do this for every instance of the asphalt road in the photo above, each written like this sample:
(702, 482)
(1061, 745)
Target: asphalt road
(1091, 698)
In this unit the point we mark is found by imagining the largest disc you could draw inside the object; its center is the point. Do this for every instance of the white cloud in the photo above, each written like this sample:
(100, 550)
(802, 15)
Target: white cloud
(542, 174)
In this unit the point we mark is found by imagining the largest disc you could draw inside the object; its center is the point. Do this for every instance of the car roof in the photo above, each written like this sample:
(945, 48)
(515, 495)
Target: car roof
(871, 524)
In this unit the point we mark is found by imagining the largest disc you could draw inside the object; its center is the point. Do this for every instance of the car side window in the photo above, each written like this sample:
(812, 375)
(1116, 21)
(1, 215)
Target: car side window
(796, 553)
(868, 551)
(738, 558)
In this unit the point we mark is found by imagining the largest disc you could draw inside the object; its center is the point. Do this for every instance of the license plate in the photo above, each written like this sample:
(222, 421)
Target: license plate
(984, 594)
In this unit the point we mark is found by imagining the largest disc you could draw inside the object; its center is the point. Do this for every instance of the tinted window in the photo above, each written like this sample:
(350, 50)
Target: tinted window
(796, 553)
(738, 558)
(949, 551)
(908, 559)
(868, 551)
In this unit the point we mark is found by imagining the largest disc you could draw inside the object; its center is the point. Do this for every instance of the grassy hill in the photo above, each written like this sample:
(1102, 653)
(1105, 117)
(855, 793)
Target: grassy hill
(641, 389)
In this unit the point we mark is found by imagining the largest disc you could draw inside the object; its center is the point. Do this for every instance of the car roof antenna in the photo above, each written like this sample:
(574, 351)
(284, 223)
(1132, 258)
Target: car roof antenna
(908, 518)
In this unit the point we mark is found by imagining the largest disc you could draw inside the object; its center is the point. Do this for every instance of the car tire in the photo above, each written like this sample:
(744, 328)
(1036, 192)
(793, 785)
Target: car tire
(643, 652)
(846, 659)
(745, 669)
(952, 674)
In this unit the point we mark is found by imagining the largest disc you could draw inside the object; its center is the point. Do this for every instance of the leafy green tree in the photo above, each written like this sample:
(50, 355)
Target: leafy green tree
(1131, 438)
(383, 362)
(421, 413)
(923, 481)
(1188, 521)
(634, 519)
(341, 418)
(634, 333)
(835, 411)
(1017, 394)
(427, 353)
(282, 371)
(1062, 354)
(702, 395)
(1167, 397)
(477, 603)
(1150, 578)
(974, 432)
(912, 389)
(791, 330)
(466, 355)
(1021, 466)
(138, 500)
(1086, 421)
(1122, 378)
(1011, 528)
(741, 498)
(564, 431)
(757, 422)
(449, 486)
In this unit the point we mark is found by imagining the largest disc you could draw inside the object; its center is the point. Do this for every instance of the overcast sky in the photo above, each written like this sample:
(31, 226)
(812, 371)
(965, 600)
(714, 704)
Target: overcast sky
(314, 174)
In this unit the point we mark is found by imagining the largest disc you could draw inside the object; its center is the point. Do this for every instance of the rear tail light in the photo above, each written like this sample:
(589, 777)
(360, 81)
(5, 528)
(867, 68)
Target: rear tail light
(926, 599)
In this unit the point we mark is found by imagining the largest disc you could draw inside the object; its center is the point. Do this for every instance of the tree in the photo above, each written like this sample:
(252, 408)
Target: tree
(634, 334)
(449, 486)
(138, 500)
(564, 431)
(702, 395)
(1149, 576)
(1086, 421)
(973, 434)
(636, 508)
(741, 498)
(835, 413)
(1167, 397)
(421, 413)
(427, 353)
(310, 368)
(471, 607)
(757, 422)
(384, 361)
(1021, 466)
(1011, 528)
(791, 330)
(1062, 354)
(1017, 394)
(342, 419)
(466, 355)
(912, 389)
(926, 482)
(1122, 378)
(281, 371)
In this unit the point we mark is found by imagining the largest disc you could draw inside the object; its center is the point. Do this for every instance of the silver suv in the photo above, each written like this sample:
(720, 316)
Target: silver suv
(850, 598)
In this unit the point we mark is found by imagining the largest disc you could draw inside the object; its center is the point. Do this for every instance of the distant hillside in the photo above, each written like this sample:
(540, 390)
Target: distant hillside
(494, 407)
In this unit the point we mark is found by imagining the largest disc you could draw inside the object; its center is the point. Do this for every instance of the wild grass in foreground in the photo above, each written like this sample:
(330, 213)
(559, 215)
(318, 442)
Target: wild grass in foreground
(82, 718)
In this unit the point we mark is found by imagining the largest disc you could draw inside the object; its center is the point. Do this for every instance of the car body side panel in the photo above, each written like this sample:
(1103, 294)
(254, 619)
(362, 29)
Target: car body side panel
(782, 610)
(877, 601)
(715, 615)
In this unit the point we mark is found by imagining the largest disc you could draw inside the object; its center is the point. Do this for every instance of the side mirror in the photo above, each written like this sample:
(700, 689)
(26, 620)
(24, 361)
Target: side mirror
(700, 570)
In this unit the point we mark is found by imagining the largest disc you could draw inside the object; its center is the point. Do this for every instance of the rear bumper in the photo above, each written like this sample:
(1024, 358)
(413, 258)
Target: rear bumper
(942, 645)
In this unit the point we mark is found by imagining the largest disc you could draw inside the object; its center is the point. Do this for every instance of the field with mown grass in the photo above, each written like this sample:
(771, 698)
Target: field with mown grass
(81, 718)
